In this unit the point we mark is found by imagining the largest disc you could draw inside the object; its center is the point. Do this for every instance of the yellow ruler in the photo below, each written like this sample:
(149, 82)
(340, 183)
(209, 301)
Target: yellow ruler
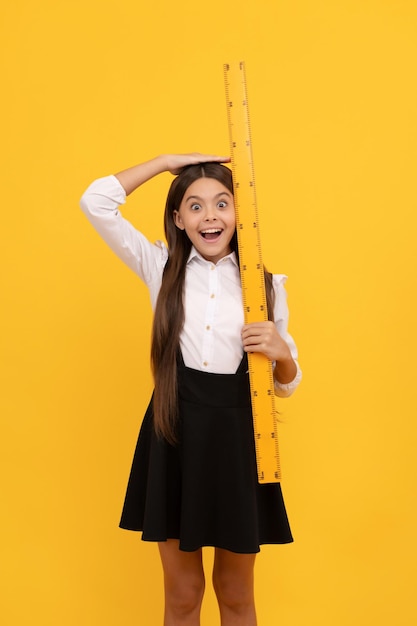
(251, 271)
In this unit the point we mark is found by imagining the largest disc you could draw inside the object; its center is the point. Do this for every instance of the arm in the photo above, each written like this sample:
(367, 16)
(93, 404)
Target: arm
(264, 337)
(101, 202)
(133, 177)
(273, 340)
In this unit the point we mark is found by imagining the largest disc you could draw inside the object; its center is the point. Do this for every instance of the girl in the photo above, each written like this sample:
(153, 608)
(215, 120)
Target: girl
(193, 481)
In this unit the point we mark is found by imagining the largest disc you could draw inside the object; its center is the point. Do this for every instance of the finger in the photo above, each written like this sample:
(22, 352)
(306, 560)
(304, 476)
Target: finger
(254, 332)
(214, 157)
(223, 159)
(267, 324)
(254, 348)
(254, 341)
(197, 158)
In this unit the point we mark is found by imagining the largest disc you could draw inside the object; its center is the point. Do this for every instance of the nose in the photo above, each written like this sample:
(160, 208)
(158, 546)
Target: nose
(210, 214)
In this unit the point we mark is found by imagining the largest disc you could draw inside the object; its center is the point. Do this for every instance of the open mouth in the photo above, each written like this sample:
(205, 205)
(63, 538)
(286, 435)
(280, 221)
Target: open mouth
(211, 234)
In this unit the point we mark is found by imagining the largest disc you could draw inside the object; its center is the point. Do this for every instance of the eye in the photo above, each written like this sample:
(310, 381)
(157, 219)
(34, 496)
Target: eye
(195, 207)
(222, 204)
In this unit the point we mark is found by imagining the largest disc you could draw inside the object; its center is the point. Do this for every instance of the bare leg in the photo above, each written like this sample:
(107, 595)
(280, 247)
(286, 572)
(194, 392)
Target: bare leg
(233, 581)
(184, 584)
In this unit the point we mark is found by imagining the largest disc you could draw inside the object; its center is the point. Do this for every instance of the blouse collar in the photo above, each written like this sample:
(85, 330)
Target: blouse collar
(194, 254)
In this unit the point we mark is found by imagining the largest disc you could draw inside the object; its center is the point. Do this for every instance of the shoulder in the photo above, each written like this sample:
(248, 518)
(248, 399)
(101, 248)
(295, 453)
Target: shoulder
(278, 281)
(280, 306)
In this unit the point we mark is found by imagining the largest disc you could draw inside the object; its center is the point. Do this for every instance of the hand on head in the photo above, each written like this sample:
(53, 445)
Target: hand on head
(176, 162)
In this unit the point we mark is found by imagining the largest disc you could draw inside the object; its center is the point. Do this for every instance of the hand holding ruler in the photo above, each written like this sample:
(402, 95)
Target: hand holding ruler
(251, 271)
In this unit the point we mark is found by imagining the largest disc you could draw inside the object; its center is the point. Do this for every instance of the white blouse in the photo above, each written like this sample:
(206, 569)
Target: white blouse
(211, 337)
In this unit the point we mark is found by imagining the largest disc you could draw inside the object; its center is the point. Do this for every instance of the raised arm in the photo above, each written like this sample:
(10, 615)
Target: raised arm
(101, 202)
(133, 177)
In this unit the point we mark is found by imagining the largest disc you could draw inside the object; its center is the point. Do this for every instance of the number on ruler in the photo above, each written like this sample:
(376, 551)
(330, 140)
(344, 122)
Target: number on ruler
(253, 286)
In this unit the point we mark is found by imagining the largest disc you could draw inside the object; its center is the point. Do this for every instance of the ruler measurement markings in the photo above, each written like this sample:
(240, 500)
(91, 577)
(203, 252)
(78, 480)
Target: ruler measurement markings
(252, 276)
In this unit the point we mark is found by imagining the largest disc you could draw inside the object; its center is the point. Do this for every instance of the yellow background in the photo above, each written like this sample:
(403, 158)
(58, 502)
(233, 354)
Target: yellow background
(92, 86)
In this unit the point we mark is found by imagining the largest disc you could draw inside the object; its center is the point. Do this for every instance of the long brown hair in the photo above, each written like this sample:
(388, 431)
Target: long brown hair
(169, 311)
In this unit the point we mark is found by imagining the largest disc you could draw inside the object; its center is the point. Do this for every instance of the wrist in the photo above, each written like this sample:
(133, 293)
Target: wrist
(162, 163)
(285, 370)
(157, 165)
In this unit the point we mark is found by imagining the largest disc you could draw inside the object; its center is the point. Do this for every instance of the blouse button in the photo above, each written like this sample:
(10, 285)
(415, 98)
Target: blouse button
(213, 295)
(205, 363)
(207, 327)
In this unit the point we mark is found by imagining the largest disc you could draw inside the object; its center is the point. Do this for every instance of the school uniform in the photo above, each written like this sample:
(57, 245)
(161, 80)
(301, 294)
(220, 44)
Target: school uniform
(204, 490)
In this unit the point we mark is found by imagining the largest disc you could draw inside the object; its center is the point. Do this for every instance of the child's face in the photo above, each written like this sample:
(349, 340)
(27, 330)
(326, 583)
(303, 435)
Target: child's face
(207, 214)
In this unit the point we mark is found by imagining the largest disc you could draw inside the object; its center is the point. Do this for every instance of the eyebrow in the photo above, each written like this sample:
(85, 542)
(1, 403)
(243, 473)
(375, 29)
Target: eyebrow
(222, 193)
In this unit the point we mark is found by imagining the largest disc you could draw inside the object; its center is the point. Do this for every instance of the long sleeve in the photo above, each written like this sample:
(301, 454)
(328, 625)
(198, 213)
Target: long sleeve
(218, 349)
(281, 315)
(100, 203)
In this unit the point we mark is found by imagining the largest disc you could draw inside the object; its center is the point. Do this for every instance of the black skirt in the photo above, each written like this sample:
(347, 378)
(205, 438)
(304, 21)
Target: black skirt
(204, 491)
